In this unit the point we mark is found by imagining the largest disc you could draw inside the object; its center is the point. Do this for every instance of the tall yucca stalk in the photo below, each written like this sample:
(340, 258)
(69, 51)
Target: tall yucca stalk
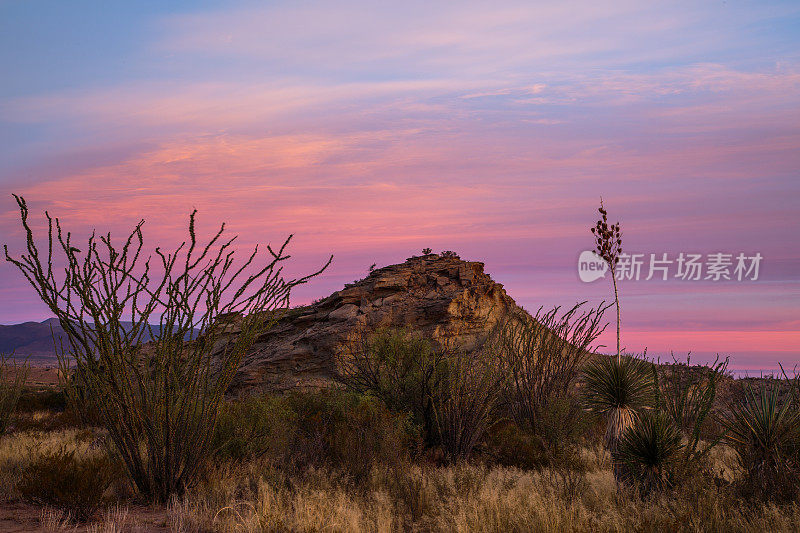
(764, 431)
(617, 389)
(608, 245)
(159, 401)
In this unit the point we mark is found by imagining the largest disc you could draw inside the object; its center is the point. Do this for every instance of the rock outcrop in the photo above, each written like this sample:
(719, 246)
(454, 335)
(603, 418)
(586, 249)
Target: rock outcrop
(442, 297)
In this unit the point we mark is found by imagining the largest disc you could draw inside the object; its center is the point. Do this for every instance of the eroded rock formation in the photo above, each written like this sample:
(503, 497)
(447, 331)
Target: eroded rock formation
(441, 297)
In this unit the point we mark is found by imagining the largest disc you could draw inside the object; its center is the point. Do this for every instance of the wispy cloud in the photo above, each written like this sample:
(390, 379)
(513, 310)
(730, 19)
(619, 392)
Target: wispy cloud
(374, 131)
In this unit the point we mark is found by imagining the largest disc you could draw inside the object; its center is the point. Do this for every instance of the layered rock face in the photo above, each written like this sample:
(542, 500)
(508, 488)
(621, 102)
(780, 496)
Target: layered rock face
(441, 297)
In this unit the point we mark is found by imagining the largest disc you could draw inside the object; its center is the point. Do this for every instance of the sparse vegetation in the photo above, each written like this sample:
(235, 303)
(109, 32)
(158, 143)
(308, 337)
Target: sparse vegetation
(541, 359)
(301, 461)
(12, 377)
(401, 368)
(159, 401)
(764, 431)
(75, 484)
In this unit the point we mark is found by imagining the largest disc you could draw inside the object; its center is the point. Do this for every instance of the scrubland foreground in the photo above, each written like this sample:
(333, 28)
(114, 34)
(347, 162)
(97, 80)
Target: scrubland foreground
(335, 461)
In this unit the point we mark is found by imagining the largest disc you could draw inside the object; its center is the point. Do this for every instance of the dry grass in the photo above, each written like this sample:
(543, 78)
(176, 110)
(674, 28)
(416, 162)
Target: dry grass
(458, 499)
(252, 496)
(19, 449)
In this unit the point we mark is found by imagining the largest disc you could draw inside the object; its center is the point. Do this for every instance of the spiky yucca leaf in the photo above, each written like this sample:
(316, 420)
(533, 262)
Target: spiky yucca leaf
(647, 451)
(617, 389)
(764, 431)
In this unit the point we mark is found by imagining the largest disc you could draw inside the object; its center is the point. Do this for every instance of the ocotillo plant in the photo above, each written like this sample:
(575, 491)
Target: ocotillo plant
(542, 358)
(608, 241)
(159, 400)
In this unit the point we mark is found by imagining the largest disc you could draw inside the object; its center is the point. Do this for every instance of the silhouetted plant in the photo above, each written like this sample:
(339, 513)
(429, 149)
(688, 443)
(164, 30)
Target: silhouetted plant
(542, 358)
(618, 389)
(764, 431)
(12, 379)
(686, 395)
(449, 253)
(399, 367)
(464, 406)
(159, 401)
(648, 451)
(426, 251)
(608, 241)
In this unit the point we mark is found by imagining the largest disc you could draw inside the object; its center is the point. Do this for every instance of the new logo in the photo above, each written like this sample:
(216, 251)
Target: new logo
(591, 266)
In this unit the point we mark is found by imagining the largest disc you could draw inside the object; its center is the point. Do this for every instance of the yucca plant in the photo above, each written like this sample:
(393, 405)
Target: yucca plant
(648, 450)
(764, 431)
(617, 389)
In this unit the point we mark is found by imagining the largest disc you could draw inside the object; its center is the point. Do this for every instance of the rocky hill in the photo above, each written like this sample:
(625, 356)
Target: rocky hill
(441, 297)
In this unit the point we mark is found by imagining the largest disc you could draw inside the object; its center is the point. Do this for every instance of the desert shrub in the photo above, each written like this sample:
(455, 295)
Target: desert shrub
(48, 410)
(397, 366)
(466, 401)
(542, 358)
(252, 427)
(686, 395)
(12, 378)
(71, 483)
(508, 444)
(343, 431)
(159, 401)
(764, 431)
(649, 451)
(49, 399)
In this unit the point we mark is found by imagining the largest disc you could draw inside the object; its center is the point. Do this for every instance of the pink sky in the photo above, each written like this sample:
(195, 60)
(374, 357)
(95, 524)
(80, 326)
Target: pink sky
(371, 133)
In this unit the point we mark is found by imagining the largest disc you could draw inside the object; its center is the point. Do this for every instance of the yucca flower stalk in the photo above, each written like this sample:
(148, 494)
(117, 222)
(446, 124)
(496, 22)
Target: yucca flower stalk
(608, 245)
(616, 388)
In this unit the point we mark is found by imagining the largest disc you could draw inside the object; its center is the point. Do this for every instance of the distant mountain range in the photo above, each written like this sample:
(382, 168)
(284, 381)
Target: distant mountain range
(31, 339)
(35, 339)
